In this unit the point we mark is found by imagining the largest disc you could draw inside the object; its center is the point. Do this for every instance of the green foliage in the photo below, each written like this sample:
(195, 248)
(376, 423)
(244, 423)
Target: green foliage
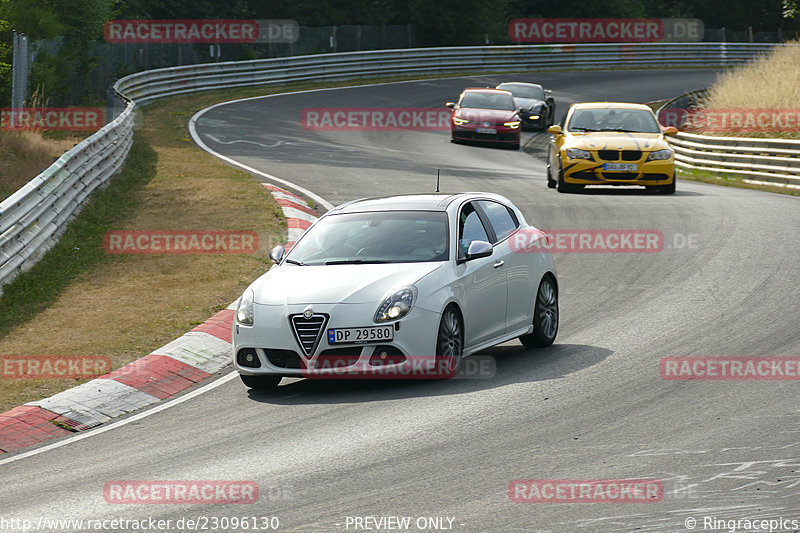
(5, 60)
(64, 76)
(50, 75)
(33, 18)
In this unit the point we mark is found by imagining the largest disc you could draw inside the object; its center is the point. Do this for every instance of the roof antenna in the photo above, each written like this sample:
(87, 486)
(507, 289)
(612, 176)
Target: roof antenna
(437, 180)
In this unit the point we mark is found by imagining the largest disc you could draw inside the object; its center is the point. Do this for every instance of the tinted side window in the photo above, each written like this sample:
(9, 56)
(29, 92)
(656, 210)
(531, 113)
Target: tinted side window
(499, 216)
(470, 228)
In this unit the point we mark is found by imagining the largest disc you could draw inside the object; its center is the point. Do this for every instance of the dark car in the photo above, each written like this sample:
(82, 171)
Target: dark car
(485, 115)
(536, 106)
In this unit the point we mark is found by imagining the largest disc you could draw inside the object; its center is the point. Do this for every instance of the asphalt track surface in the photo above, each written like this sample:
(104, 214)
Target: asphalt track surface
(593, 406)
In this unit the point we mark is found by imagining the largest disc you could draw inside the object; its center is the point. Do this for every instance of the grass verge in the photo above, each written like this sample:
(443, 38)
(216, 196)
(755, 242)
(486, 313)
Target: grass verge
(79, 300)
(24, 155)
(732, 180)
(770, 82)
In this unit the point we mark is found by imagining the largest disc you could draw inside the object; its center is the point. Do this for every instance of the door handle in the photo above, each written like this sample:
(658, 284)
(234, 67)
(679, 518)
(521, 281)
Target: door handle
(499, 264)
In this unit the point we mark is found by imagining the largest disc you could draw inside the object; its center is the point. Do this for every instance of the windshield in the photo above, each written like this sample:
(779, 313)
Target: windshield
(624, 120)
(375, 237)
(534, 92)
(482, 100)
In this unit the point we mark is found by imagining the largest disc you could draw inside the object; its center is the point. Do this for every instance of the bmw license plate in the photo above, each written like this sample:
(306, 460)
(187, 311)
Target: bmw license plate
(359, 335)
(491, 131)
(626, 167)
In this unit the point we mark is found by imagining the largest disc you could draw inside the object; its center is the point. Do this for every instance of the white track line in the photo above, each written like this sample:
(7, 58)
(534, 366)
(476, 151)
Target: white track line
(125, 421)
(228, 377)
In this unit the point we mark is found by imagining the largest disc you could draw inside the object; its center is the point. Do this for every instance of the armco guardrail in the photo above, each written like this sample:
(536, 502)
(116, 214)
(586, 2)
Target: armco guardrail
(771, 160)
(152, 84)
(32, 218)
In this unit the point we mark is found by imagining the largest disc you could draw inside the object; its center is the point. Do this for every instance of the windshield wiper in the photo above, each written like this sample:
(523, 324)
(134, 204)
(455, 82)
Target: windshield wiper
(356, 262)
(622, 130)
(292, 261)
(578, 128)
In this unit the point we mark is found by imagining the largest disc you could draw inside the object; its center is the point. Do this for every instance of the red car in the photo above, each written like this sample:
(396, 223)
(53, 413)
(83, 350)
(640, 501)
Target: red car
(485, 115)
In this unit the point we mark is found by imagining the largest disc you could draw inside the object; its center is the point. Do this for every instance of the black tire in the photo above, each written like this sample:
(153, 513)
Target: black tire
(449, 342)
(563, 186)
(545, 316)
(668, 189)
(260, 382)
(663, 189)
(551, 183)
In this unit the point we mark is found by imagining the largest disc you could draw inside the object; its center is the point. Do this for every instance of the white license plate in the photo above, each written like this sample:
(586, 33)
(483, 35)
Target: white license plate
(627, 167)
(486, 130)
(359, 335)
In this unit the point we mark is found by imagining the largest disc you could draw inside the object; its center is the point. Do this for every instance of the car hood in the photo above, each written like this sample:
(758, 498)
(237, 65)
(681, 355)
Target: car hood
(613, 141)
(290, 284)
(527, 103)
(486, 115)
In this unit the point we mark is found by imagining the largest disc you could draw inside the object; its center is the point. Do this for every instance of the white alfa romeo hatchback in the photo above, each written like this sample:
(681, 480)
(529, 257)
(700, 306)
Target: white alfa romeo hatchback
(377, 285)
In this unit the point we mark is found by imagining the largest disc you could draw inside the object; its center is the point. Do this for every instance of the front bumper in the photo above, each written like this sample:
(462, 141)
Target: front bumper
(468, 132)
(272, 340)
(585, 172)
(534, 119)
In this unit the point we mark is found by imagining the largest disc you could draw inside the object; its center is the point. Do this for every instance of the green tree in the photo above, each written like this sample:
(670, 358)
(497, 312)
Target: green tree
(5, 62)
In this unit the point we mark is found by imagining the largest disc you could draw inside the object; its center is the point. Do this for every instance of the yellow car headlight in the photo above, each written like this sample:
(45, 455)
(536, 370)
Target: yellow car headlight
(512, 124)
(459, 121)
(659, 155)
(577, 153)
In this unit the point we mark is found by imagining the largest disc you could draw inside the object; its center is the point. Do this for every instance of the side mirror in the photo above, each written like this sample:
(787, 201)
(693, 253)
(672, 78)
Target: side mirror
(670, 130)
(277, 253)
(521, 110)
(478, 249)
(451, 105)
(548, 92)
(555, 129)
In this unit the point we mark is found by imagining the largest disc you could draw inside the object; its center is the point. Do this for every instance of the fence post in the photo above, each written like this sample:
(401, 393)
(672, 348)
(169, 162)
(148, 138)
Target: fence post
(19, 73)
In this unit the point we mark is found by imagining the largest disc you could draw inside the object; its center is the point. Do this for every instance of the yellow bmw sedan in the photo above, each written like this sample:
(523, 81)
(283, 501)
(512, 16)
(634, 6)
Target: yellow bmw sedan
(609, 143)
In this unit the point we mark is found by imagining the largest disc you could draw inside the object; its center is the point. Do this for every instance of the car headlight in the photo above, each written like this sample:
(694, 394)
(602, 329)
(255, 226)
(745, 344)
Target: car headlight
(512, 124)
(459, 121)
(244, 313)
(577, 153)
(660, 154)
(396, 305)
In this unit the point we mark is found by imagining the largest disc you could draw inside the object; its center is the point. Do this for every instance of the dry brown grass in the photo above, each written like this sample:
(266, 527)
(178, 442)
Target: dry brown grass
(771, 82)
(23, 155)
(129, 305)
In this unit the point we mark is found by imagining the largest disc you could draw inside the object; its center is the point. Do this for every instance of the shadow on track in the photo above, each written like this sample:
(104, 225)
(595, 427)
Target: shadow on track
(514, 364)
